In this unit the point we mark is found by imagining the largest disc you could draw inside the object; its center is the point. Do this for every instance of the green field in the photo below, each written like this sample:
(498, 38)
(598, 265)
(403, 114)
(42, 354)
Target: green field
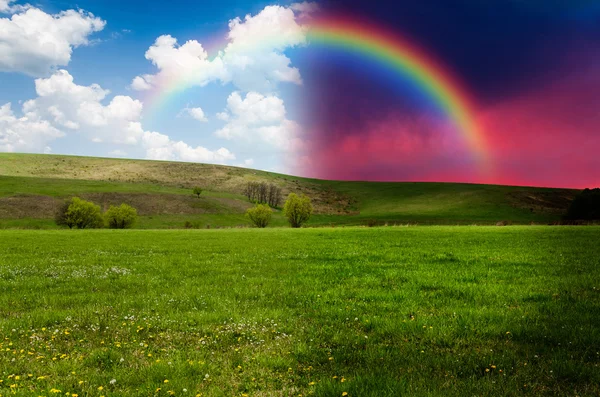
(390, 311)
(32, 187)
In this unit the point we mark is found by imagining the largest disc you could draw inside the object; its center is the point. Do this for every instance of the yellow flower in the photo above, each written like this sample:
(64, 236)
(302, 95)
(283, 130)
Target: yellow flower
(330, 358)
(54, 391)
(81, 382)
(311, 384)
(166, 381)
(344, 393)
(100, 388)
(171, 393)
(74, 395)
(157, 390)
(17, 377)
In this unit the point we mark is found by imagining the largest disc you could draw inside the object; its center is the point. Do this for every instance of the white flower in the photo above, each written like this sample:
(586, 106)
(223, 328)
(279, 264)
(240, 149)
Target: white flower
(206, 376)
(113, 381)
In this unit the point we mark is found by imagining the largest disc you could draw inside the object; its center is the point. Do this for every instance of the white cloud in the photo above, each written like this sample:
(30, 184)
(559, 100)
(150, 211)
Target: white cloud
(259, 118)
(249, 162)
(64, 107)
(25, 134)
(305, 8)
(140, 84)
(117, 153)
(196, 113)
(253, 59)
(161, 147)
(7, 8)
(35, 43)
(80, 108)
(223, 116)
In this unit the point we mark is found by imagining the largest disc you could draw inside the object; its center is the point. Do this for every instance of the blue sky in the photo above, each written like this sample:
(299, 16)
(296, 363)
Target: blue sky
(107, 42)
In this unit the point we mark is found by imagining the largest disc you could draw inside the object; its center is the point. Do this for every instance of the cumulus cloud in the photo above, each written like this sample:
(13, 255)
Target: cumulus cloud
(63, 107)
(7, 8)
(81, 108)
(259, 118)
(252, 60)
(35, 43)
(25, 134)
(161, 147)
(196, 113)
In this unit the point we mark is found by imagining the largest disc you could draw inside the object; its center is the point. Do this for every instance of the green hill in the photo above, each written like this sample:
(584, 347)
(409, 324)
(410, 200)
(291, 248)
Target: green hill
(32, 186)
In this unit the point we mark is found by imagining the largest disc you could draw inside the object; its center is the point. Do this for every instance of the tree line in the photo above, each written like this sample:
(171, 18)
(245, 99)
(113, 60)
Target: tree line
(263, 193)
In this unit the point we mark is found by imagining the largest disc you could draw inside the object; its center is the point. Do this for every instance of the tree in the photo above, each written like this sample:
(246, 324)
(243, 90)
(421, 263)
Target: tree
(61, 218)
(197, 191)
(121, 217)
(297, 209)
(586, 206)
(83, 214)
(260, 215)
(263, 193)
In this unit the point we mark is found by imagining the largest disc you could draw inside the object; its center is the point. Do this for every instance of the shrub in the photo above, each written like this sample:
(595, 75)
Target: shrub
(121, 217)
(61, 218)
(586, 206)
(260, 216)
(82, 214)
(197, 191)
(297, 209)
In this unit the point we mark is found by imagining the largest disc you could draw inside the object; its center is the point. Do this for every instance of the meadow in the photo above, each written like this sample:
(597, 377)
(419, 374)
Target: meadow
(32, 187)
(387, 311)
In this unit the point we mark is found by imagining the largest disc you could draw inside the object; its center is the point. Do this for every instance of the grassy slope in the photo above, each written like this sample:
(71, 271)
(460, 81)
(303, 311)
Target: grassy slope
(391, 311)
(336, 202)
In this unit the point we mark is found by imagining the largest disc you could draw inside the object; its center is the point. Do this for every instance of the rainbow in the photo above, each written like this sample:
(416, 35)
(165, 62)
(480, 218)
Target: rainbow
(372, 42)
(408, 60)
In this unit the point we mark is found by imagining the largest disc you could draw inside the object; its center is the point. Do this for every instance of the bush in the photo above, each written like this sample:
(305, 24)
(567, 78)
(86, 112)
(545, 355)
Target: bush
(197, 191)
(121, 217)
(297, 209)
(260, 216)
(80, 214)
(586, 206)
(61, 218)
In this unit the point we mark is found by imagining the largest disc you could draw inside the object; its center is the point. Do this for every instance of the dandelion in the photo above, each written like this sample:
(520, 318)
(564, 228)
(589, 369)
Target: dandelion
(100, 388)
(344, 394)
(171, 392)
(311, 384)
(166, 381)
(80, 382)
(54, 391)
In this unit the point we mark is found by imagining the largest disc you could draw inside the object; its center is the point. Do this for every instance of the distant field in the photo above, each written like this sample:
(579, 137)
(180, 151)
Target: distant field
(32, 186)
(419, 311)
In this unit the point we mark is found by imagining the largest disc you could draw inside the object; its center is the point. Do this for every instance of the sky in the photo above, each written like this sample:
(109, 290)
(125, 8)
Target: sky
(248, 83)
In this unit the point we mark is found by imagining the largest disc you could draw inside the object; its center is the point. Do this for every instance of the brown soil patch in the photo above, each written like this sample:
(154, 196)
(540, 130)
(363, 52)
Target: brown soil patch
(554, 201)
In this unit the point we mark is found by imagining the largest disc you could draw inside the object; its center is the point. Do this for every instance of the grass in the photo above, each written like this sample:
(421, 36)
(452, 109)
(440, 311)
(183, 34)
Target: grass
(419, 311)
(32, 186)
